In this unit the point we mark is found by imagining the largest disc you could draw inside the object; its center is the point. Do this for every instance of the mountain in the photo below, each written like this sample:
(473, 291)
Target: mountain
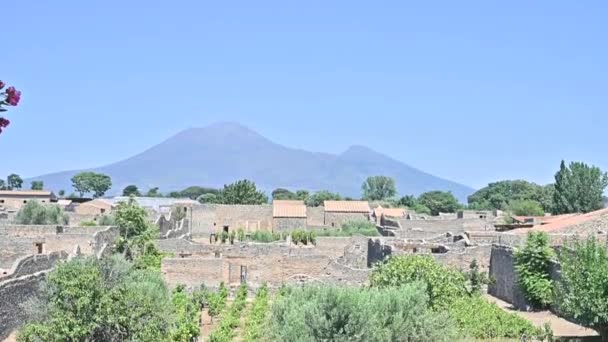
(225, 152)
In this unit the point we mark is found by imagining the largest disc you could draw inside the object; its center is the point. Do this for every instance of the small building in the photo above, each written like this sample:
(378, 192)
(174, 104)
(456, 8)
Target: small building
(288, 215)
(95, 207)
(339, 212)
(15, 199)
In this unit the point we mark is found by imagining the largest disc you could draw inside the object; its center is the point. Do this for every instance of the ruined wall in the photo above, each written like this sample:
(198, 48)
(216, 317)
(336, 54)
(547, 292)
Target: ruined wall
(13, 249)
(203, 218)
(13, 293)
(333, 219)
(502, 269)
(423, 229)
(249, 217)
(288, 223)
(33, 263)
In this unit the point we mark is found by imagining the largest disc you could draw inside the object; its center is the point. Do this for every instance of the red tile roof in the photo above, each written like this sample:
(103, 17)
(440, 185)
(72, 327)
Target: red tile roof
(347, 206)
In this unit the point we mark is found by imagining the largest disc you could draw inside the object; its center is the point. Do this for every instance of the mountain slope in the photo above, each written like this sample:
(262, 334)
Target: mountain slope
(225, 152)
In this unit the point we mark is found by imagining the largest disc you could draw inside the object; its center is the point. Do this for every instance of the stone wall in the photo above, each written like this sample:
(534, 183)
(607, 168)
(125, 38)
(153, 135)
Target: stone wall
(502, 270)
(34, 263)
(203, 219)
(334, 219)
(315, 216)
(13, 293)
(288, 223)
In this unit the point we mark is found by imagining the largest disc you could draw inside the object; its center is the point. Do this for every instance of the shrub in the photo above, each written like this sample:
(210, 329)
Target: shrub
(526, 208)
(185, 312)
(88, 224)
(255, 323)
(240, 234)
(217, 300)
(313, 313)
(480, 319)
(265, 236)
(442, 283)
(364, 228)
(225, 331)
(532, 265)
(106, 220)
(33, 212)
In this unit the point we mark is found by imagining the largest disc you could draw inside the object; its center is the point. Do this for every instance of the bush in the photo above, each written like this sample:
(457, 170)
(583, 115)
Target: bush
(532, 265)
(364, 228)
(225, 331)
(442, 283)
(240, 234)
(217, 300)
(185, 312)
(255, 323)
(106, 220)
(357, 314)
(88, 224)
(33, 212)
(480, 319)
(526, 208)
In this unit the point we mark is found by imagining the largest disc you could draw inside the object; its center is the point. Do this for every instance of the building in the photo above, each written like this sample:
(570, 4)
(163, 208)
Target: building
(95, 207)
(15, 199)
(339, 212)
(288, 215)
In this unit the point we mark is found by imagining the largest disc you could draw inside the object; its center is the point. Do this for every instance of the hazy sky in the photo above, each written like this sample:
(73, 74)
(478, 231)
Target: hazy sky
(471, 91)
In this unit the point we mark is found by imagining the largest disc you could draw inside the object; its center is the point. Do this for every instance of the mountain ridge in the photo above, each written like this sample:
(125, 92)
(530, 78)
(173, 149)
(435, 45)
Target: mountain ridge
(224, 152)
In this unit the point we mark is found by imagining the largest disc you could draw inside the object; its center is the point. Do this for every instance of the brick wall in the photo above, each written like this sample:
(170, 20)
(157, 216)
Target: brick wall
(288, 224)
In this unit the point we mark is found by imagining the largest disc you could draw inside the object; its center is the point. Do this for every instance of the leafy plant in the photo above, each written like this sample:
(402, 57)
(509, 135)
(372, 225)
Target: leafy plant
(217, 300)
(476, 278)
(225, 331)
(240, 234)
(88, 223)
(34, 212)
(532, 265)
(257, 318)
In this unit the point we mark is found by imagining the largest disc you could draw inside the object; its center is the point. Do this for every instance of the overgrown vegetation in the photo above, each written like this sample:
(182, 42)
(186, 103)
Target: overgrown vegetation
(350, 229)
(86, 299)
(225, 331)
(217, 300)
(582, 293)
(257, 317)
(325, 313)
(532, 265)
(34, 212)
(451, 291)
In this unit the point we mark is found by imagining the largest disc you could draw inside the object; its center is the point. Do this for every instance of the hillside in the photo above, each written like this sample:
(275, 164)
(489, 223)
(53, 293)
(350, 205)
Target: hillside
(225, 152)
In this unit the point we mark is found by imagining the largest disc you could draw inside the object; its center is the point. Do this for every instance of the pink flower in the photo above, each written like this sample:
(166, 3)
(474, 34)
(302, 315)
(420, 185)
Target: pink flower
(4, 123)
(12, 96)
(2, 84)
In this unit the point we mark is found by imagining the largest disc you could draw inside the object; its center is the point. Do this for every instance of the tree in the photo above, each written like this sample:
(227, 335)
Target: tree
(13, 181)
(100, 300)
(8, 97)
(208, 198)
(439, 202)
(408, 201)
(194, 192)
(2, 184)
(34, 212)
(302, 195)
(85, 182)
(579, 188)
(319, 197)
(526, 208)
(378, 188)
(37, 185)
(499, 195)
(283, 194)
(532, 265)
(242, 192)
(153, 192)
(582, 291)
(61, 193)
(131, 190)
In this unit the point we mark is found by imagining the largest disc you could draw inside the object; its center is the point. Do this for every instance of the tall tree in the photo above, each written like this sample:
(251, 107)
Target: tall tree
(579, 188)
(61, 193)
(499, 195)
(302, 195)
(194, 192)
(37, 185)
(242, 192)
(130, 190)
(439, 202)
(378, 188)
(97, 183)
(408, 201)
(14, 181)
(2, 184)
(153, 192)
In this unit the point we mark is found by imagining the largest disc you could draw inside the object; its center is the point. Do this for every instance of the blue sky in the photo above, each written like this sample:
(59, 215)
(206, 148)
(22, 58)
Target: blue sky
(474, 91)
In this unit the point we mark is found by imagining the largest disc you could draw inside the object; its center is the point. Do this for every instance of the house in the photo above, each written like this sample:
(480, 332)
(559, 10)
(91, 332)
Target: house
(95, 207)
(288, 215)
(339, 212)
(15, 199)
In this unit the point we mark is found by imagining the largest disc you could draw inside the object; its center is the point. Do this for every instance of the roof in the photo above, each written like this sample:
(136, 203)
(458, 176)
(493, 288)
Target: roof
(562, 223)
(347, 206)
(391, 212)
(287, 202)
(289, 210)
(25, 193)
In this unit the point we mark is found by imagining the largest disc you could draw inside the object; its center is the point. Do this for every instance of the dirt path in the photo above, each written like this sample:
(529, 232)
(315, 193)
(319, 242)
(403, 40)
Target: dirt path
(560, 326)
